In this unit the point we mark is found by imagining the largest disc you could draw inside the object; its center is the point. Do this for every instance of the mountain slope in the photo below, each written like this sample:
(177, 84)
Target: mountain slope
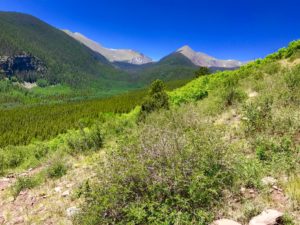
(180, 64)
(172, 67)
(66, 60)
(202, 59)
(113, 55)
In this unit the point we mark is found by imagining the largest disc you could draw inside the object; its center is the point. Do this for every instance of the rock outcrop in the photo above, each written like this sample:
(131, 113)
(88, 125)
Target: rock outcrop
(22, 63)
(267, 217)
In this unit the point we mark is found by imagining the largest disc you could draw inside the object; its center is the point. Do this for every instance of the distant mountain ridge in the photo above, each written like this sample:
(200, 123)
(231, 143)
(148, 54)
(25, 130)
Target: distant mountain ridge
(132, 57)
(202, 59)
(31, 49)
(113, 55)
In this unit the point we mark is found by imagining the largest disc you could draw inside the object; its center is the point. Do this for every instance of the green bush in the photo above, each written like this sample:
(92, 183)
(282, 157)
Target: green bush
(266, 150)
(57, 169)
(257, 116)
(85, 140)
(202, 71)
(156, 99)
(23, 183)
(42, 83)
(173, 172)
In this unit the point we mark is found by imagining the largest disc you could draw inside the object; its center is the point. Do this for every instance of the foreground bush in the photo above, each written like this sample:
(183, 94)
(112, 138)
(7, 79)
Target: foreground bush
(175, 174)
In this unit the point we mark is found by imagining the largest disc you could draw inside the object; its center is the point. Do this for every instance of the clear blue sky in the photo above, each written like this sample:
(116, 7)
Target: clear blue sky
(228, 29)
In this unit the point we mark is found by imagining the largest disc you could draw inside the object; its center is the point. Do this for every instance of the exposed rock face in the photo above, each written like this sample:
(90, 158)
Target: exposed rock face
(267, 217)
(202, 59)
(225, 222)
(10, 65)
(113, 55)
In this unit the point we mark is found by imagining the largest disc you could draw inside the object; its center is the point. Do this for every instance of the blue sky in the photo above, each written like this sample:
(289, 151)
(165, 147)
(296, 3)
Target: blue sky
(231, 29)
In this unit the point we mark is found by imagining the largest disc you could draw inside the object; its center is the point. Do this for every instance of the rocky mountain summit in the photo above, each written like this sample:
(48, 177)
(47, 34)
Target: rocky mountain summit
(113, 55)
(202, 59)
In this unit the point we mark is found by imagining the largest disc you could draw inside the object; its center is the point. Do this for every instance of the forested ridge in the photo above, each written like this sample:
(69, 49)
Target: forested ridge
(67, 60)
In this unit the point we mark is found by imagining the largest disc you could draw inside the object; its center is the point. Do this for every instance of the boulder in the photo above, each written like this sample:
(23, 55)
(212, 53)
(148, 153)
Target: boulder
(225, 222)
(267, 217)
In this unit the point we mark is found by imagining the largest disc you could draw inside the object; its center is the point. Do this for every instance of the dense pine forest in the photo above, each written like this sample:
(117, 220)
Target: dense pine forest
(38, 119)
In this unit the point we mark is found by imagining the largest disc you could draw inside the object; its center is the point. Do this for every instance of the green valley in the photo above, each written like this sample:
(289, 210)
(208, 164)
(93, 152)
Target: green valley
(93, 135)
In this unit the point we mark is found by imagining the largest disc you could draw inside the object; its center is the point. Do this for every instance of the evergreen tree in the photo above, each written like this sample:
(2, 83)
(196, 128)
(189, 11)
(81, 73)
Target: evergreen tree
(202, 71)
(156, 99)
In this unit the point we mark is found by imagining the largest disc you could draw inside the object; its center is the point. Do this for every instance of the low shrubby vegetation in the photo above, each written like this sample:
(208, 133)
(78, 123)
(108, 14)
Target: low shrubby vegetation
(177, 167)
(57, 169)
(24, 183)
(199, 153)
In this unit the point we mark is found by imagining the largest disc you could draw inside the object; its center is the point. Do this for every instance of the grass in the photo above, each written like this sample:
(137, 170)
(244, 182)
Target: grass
(293, 189)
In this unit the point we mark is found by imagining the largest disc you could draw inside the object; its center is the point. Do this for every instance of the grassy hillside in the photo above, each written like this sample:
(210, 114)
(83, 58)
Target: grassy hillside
(208, 159)
(205, 158)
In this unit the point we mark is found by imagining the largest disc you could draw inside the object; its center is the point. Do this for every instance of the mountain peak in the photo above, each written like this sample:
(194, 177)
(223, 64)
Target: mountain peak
(113, 55)
(185, 48)
(202, 59)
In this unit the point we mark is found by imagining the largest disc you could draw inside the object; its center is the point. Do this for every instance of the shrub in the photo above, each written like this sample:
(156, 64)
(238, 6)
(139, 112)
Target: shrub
(292, 81)
(156, 99)
(173, 172)
(57, 169)
(229, 93)
(266, 150)
(42, 83)
(85, 139)
(41, 151)
(202, 71)
(24, 183)
(14, 157)
(249, 172)
(257, 115)
(232, 96)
